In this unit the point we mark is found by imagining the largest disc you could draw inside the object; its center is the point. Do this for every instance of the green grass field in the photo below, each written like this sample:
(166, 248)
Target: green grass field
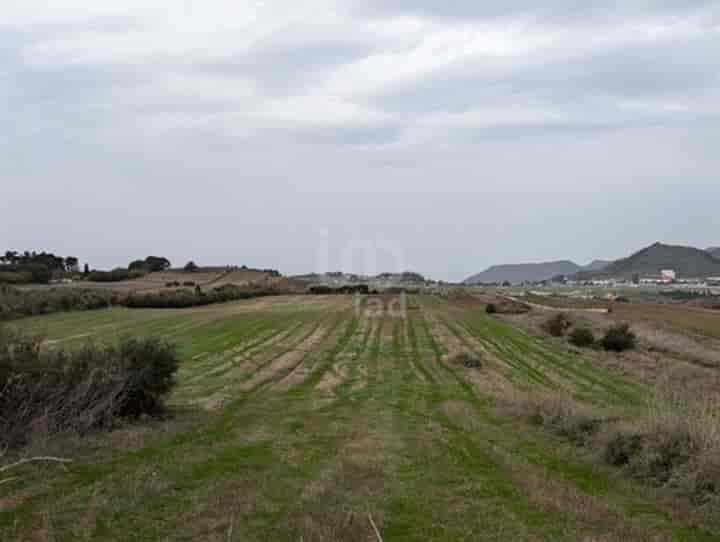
(298, 418)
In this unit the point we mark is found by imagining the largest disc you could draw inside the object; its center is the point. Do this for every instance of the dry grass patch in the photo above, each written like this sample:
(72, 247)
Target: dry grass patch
(565, 499)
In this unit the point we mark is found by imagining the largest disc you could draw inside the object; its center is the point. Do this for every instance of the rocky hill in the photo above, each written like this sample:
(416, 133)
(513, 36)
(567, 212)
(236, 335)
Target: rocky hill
(596, 265)
(686, 261)
(529, 272)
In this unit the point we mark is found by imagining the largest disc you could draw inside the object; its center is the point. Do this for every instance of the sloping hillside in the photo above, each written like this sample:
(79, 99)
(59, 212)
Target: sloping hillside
(686, 261)
(596, 265)
(715, 251)
(529, 272)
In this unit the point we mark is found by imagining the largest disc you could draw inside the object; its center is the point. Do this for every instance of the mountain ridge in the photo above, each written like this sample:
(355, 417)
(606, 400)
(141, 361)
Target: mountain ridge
(524, 272)
(686, 261)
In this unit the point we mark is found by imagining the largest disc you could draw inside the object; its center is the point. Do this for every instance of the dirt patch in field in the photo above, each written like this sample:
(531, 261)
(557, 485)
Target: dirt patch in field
(332, 379)
(289, 369)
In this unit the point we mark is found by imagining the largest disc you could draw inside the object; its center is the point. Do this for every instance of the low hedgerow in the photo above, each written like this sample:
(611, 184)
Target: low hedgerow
(116, 275)
(45, 392)
(184, 298)
(16, 303)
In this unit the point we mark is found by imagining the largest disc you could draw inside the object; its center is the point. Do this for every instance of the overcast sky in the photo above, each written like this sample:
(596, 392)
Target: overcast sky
(448, 135)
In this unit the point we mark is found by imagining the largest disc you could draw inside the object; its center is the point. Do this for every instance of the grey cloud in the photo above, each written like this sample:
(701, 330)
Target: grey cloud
(372, 134)
(467, 198)
(287, 68)
(587, 88)
(563, 9)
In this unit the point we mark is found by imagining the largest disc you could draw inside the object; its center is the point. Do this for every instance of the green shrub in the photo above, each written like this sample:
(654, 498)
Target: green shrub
(48, 392)
(116, 275)
(491, 308)
(582, 337)
(619, 338)
(151, 366)
(557, 325)
(622, 448)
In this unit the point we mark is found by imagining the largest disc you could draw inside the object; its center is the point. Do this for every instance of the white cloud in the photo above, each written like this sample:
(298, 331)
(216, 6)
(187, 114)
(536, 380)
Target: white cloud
(442, 102)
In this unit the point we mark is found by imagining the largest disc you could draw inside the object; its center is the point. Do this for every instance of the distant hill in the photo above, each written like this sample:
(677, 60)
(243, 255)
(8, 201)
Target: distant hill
(715, 251)
(686, 261)
(529, 272)
(596, 265)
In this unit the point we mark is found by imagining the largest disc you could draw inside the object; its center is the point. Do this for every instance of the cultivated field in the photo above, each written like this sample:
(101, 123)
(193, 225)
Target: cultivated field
(307, 419)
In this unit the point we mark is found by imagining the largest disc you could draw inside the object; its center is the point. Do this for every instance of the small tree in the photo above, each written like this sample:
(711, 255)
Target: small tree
(491, 308)
(137, 265)
(191, 267)
(619, 338)
(157, 263)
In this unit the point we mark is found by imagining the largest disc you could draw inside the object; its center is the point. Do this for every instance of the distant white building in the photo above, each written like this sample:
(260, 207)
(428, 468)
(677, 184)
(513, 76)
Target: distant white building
(668, 275)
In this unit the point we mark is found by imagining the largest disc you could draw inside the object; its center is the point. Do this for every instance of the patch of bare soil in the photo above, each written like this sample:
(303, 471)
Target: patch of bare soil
(285, 368)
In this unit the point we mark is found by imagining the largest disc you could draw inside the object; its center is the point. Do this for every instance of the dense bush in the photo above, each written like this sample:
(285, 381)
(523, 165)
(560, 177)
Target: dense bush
(621, 448)
(557, 325)
(46, 392)
(16, 303)
(491, 308)
(619, 338)
(582, 337)
(340, 290)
